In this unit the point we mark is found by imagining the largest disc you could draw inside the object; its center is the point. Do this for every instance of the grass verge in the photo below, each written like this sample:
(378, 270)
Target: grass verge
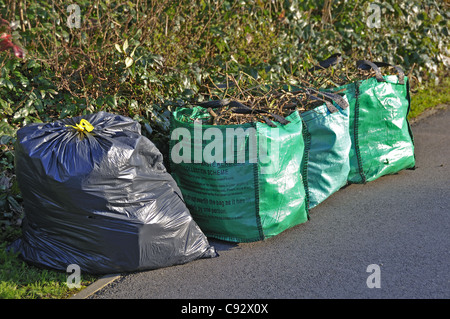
(19, 280)
(430, 95)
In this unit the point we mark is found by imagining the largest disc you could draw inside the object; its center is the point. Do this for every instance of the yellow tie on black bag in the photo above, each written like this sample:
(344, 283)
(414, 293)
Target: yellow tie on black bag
(83, 126)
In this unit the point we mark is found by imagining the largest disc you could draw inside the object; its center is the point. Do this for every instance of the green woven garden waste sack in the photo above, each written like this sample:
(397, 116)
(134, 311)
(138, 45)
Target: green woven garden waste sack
(355, 174)
(241, 182)
(382, 140)
(328, 166)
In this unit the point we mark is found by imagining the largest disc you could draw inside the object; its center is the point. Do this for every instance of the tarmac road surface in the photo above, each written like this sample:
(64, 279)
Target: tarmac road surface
(392, 233)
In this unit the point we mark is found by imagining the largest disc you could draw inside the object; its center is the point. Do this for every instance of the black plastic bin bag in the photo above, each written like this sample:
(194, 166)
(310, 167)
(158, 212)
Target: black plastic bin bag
(96, 194)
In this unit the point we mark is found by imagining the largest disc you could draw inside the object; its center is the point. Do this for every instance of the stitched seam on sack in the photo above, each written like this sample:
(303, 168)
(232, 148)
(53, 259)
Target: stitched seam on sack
(256, 175)
(307, 140)
(356, 134)
(408, 97)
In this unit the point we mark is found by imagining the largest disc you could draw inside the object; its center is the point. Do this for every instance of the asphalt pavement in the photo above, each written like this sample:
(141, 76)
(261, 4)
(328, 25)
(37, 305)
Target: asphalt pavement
(391, 234)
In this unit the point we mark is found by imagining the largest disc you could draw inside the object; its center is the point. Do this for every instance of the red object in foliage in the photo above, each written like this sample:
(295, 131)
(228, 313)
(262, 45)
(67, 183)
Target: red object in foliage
(6, 41)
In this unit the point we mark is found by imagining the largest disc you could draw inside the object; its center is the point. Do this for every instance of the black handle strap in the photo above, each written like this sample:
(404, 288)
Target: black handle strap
(339, 100)
(329, 105)
(363, 65)
(214, 104)
(400, 72)
(367, 65)
(325, 64)
(239, 108)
